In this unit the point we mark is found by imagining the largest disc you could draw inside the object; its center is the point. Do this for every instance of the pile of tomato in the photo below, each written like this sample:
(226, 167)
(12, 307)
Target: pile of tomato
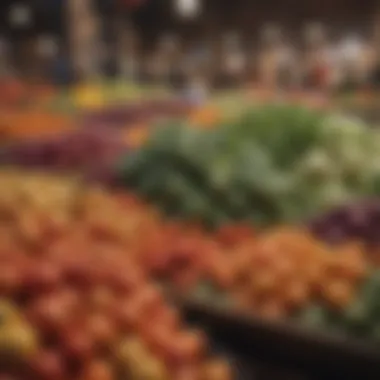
(76, 301)
(81, 270)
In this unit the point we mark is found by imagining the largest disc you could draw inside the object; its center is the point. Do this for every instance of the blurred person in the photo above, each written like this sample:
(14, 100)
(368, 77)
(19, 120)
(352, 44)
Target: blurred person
(163, 59)
(317, 59)
(47, 51)
(148, 67)
(373, 55)
(177, 64)
(351, 53)
(333, 61)
(367, 62)
(84, 38)
(233, 61)
(5, 64)
(199, 58)
(189, 62)
(197, 88)
(269, 57)
(213, 64)
(364, 63)
(374, 75)
(129, 55)
(288, 73)
(62, 73)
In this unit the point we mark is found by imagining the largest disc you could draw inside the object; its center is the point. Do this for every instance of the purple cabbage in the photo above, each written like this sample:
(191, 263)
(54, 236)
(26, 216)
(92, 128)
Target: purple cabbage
(357, 221)
(82, 151)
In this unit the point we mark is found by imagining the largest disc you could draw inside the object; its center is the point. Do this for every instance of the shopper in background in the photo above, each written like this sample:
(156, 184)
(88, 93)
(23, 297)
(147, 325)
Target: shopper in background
(351, 50)
(162, 59)
(317, 59)
(367, 62)
(176, 58)
(268, 57)
(287, 70)
(5, 65)
(233, 61)
(375, 73)
(61, 71)
(129, 55)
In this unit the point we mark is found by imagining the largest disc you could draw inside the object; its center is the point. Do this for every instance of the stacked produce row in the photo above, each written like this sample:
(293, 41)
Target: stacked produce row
(89, 144)
(273, 164)
(81, 270)
(276, 165)
(77, 301)
(216, 213)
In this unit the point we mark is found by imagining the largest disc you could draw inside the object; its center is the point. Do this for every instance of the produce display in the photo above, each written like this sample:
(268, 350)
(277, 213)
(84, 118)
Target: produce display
(286, 273)
(134, 113)
(90, 142)
(88, 152)
(21, 125)
(15, 93)
(134, 121)
(76, 303)
(276, 163)
(241, 210)
(279, 271)
(98, 95)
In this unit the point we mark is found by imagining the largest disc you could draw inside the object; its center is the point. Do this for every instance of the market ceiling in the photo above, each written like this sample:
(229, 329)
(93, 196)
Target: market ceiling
(45, 17)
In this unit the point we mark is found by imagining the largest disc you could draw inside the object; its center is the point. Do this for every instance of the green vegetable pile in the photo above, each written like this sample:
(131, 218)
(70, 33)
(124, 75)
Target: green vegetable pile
(361, 318)
(274, 163)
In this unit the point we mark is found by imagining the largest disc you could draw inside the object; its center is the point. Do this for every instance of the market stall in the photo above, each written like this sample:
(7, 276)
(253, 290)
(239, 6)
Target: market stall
(247, 219)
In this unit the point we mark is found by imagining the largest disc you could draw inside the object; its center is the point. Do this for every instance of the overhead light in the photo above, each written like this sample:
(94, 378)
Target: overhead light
(20, 15)
(188, 8)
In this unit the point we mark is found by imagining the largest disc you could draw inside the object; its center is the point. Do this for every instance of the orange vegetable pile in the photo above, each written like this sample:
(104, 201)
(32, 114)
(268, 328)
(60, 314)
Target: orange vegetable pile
(76, 301)
(205, 117)
(17, 125)
(79, 276)
(284, 270)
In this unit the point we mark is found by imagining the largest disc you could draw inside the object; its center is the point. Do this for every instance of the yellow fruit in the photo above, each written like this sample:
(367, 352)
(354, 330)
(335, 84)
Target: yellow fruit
(17, 341)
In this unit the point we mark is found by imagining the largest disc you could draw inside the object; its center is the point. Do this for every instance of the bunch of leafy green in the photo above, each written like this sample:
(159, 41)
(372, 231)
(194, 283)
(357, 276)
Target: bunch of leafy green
(273, 164)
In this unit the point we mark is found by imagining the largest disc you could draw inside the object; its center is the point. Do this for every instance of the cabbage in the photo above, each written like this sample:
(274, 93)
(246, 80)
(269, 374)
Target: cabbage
(317, 166)
(334, 193)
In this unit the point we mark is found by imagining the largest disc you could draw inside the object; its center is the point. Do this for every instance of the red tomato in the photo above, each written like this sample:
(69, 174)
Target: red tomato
(10, 278)
(127, 315)
(231, 235)
(43, 275)
(101, 299)
(78, 344)
(184, 348)
(101, 328)
(48, 365)
(187, 373)
(51, 311)
(97, 370)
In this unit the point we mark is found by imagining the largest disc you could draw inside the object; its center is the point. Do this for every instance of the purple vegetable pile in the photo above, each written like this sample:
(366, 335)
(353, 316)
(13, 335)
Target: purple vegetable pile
(91, 152)
(359, 221)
